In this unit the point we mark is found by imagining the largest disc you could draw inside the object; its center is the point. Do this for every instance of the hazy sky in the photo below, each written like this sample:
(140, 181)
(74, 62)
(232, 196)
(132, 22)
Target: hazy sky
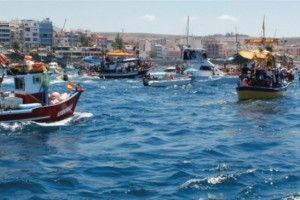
(282, 17)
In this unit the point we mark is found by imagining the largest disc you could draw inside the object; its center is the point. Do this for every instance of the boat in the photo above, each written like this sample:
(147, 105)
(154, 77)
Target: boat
(30, 100)
(197, 64)
(53, 65)
(168, 81)
(246, 93)
(163, 72)
(263, 78)
(122, 68)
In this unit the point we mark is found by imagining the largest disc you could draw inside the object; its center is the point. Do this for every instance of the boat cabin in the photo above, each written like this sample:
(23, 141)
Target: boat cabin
(189, 54)
(29, 89)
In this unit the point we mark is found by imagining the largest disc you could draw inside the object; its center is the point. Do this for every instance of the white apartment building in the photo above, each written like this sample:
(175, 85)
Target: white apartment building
(30, 34)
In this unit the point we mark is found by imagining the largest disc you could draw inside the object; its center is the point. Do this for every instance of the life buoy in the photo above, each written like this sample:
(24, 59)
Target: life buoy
(38, 67)
(27, 58)
(3, 59)
(18, 67)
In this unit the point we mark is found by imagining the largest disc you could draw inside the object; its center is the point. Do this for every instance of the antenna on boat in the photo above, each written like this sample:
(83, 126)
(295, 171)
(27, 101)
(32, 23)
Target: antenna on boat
(275, 33)
(236, 41)
(187, 31)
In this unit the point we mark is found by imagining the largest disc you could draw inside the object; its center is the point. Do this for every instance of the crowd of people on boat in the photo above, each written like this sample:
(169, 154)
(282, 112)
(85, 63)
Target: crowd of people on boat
(265, 76)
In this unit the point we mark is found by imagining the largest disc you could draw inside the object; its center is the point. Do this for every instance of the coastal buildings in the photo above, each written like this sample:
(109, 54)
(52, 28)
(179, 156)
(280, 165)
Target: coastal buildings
(46, 33)
(4, 34)
(31, 35)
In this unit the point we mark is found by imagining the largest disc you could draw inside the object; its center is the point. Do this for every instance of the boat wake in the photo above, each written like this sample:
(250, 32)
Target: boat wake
(65, 122)
(14, 127)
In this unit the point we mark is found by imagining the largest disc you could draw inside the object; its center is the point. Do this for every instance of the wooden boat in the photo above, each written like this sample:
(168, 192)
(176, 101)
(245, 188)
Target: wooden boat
(178, 81)
(262, 79)
(245, 93)
(30, 100)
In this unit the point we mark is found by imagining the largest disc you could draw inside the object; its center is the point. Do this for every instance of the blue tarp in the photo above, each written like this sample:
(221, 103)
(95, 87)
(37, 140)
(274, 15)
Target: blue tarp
(95, 61)
(129, 60)
(191, 70)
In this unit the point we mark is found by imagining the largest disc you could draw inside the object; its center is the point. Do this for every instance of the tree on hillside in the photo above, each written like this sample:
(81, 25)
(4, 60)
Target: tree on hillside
(16, 46)
(84, 40)
(118, 43)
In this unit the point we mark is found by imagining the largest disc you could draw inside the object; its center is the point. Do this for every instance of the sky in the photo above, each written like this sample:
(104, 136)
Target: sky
(206, 17)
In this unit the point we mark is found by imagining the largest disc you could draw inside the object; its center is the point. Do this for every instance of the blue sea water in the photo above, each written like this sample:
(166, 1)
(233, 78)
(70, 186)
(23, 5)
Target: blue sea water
(127, 141)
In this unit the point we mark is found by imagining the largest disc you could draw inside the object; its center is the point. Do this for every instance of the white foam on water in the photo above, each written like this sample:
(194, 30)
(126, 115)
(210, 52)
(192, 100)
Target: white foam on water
(191, 182)
(13, 127)
(65, 122)
(216, 180)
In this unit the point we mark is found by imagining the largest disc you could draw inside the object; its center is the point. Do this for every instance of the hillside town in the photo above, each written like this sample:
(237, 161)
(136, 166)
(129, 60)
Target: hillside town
(42, 37)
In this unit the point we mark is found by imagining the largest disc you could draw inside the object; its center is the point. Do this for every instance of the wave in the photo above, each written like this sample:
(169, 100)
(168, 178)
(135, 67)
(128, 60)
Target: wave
(65, 122)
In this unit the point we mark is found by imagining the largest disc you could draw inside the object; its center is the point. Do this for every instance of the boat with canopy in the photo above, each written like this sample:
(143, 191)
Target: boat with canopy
(266, 75)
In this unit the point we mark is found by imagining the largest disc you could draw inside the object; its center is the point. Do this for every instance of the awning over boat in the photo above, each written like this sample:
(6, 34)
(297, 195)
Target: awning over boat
(119, 53)
(90, 60)
(255, 54)
(130, 60)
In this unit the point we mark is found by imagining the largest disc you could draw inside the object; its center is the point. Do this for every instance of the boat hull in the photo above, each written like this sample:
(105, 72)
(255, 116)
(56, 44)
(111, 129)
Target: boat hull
(48, 113)
(245, 93)
(166, 83)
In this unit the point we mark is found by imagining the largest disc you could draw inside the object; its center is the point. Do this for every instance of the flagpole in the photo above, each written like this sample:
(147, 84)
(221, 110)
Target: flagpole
(263, 36)
(263, 27)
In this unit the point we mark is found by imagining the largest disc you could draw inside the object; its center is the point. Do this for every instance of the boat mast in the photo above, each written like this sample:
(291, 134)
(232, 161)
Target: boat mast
(263, 33)
(237, 41)
(187, 31)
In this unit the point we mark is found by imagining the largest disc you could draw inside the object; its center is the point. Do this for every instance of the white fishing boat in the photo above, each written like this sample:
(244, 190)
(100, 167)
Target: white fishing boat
(52, 65)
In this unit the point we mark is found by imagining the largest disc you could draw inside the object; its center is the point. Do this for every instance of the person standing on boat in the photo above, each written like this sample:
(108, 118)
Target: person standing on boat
(1, 92)
(1, 80)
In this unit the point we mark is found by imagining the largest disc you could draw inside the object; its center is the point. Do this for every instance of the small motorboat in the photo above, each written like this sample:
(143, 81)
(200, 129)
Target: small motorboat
(176, 81)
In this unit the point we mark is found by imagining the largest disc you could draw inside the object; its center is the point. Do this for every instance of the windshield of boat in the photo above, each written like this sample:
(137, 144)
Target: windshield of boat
(194, 54)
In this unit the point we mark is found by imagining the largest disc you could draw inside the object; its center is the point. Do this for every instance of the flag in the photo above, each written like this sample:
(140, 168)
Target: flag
(263, 26)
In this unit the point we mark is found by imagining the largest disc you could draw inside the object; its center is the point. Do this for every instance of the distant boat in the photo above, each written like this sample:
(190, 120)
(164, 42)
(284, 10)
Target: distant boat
(165, 81)
(53, 65)
(116, 68)
(198, 65)
(262, 82)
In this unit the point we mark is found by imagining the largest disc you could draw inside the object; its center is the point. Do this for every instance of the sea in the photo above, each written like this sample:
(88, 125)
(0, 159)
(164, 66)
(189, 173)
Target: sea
(128, 141)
